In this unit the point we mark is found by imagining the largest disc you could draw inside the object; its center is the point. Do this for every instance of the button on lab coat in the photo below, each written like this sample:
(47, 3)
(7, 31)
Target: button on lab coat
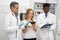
(46, 33)
(12, 26)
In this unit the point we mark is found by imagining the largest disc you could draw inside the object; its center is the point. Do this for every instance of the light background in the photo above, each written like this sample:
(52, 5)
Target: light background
(4, 9)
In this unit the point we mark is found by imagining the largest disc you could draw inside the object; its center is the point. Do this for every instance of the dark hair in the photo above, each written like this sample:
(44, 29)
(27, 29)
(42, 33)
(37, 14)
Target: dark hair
(46, 5)
(12, 4)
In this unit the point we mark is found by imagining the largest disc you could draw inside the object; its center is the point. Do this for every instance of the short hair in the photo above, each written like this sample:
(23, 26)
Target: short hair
(12, 4)
(46, 5)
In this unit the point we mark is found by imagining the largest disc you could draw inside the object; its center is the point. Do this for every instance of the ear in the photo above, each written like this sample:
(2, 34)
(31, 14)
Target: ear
(12, 8)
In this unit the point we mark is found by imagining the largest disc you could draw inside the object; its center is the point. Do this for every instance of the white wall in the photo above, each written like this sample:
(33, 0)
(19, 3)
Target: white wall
(58, 20)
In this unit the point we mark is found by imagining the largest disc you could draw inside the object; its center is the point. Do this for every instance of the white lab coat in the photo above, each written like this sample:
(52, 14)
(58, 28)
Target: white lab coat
(12, 27)
(45, 33)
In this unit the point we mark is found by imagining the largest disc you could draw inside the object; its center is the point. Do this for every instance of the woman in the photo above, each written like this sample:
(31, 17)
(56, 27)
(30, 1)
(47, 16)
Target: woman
(29, 27)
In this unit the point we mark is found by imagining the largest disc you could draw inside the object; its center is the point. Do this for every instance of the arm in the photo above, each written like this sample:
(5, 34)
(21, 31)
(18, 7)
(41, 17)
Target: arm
(27, 26)
(40, 22)
(26, 29)
(53, 27)
(8, 26)
(34, 27)
(23, 25)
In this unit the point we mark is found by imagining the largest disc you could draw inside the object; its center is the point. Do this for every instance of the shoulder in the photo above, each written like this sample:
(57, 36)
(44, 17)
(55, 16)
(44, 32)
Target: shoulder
(52, 15)
(23, 20)
(40, 15)
(9, 14)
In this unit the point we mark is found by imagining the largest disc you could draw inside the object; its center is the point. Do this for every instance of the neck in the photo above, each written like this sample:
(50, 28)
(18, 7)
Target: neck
(45, 12)
(28, 19)
(14, 12)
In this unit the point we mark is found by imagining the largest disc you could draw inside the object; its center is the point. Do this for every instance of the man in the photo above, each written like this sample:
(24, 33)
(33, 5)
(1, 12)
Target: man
(12, 20)
(47, 23)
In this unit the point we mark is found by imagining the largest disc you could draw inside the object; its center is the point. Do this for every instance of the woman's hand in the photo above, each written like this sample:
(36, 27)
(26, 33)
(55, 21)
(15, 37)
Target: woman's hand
(26, 29)
(34, 27)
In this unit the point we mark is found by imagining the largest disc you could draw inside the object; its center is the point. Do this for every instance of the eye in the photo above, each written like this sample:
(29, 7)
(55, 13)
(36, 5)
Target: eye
(16, 8)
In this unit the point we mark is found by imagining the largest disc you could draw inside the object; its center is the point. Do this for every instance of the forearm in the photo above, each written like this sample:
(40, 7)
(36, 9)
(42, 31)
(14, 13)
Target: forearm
(11, 29)
(35, 28)
(25, 30)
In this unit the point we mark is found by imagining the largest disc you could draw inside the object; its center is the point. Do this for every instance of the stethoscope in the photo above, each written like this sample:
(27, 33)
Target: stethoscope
(16, 24)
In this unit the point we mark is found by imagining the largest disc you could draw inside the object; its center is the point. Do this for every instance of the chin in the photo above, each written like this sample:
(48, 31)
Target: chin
(29, 17)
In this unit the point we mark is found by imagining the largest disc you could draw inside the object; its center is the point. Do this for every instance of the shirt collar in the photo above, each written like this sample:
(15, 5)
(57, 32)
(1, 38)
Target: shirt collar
(47, 13)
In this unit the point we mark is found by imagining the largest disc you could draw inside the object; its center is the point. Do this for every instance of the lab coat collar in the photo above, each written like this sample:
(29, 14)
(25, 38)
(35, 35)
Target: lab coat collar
(13, 14)
(47, 13)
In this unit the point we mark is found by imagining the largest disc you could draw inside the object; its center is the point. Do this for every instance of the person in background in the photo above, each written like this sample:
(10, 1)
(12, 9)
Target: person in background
(46, 21)
(11, 21)
(29, 27)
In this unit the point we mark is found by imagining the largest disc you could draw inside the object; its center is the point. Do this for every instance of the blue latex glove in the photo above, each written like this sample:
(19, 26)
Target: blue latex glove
(48, 26)
(27, 24)
(20, 24)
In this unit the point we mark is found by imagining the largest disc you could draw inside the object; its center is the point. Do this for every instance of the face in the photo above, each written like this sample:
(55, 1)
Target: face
(46, 9)
(30, 15)
(15, 8)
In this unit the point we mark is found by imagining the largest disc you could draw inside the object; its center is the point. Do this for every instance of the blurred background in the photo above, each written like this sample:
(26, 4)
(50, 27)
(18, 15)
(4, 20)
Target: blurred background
(36, 5)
